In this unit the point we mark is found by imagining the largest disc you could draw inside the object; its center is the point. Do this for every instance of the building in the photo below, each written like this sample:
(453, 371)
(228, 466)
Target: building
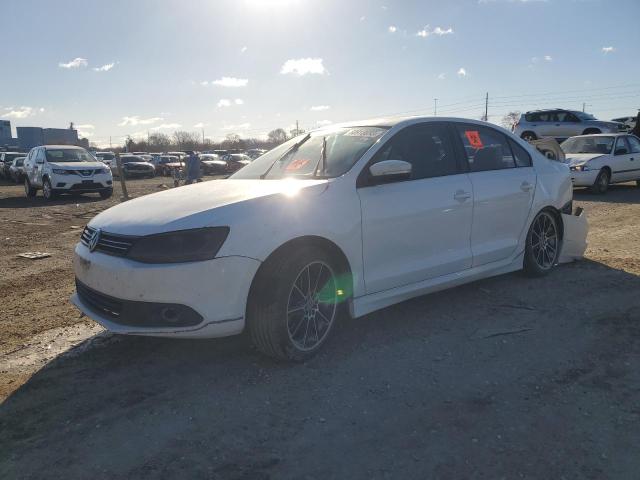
(29, 137)
(5, 132)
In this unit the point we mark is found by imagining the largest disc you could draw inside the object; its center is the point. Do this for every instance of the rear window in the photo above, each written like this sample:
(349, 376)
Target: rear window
(523, 159)
(106, 156)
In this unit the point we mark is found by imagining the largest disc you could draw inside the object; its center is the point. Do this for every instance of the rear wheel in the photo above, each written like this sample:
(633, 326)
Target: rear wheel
(601, 185)
(543, 245)
(295, 305)
(28, 189)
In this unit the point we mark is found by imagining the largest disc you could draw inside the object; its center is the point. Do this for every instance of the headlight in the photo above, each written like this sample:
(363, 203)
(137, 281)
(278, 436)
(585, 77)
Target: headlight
(104, 170)
(181, 246)
(59, 171)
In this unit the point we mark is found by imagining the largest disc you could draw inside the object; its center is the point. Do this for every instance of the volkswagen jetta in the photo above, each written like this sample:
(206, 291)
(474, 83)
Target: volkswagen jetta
(340, 221)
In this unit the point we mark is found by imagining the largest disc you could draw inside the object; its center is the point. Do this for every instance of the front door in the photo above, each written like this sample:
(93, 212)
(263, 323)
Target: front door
(634, 158)
(504, 182)
(418, 228)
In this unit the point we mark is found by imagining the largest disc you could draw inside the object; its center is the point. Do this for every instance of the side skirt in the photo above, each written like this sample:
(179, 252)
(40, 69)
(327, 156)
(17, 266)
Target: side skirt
(369, 303)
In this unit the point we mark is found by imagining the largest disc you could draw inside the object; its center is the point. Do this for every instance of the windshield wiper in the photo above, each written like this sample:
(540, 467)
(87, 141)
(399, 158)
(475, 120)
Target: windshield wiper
(281, 157)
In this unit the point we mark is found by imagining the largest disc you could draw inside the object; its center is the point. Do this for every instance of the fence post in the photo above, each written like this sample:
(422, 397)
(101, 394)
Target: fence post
(123, 182)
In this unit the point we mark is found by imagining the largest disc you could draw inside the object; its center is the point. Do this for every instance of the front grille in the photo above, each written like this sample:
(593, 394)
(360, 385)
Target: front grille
(112, 244)
(108, 306)
(85, 173)
(87, 185)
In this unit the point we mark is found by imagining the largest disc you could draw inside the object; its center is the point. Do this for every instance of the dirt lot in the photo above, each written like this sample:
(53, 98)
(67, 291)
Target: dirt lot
(504, 378)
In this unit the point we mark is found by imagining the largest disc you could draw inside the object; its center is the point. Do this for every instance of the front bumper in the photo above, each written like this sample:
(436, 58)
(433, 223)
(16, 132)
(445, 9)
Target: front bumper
(217, 290)
(80, 184)
(583, 179)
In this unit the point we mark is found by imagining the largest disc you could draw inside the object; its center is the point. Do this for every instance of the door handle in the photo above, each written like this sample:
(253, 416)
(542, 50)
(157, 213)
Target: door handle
(462, 196)
(526, 186)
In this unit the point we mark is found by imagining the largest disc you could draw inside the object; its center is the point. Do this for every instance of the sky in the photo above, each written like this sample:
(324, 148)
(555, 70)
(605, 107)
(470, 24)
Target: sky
(121, 68)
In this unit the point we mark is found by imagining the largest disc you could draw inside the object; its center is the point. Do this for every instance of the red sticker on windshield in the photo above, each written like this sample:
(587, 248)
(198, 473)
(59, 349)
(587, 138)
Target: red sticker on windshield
(296, 165)
(474, 138)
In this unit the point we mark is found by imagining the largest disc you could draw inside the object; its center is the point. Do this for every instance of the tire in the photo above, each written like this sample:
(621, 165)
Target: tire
(106, 193)
(28, 189)
(540, 258)
(284, 320)
(47, 190)
(529, 136)
(601, 185)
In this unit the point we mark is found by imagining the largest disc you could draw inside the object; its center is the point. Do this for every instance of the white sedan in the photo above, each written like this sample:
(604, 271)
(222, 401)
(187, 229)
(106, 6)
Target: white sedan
(344, 220)
(596, 161)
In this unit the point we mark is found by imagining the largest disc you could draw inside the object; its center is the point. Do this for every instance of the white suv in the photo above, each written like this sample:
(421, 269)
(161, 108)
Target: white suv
(60, 169)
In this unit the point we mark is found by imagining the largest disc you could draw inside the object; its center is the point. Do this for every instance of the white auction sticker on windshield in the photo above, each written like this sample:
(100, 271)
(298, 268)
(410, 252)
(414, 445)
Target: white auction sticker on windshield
(367, 132)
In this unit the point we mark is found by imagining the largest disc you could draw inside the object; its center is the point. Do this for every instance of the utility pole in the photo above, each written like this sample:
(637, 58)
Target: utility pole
(203, 138)
(297, 129)
(435, 107)
(486, 108)
(110, 145)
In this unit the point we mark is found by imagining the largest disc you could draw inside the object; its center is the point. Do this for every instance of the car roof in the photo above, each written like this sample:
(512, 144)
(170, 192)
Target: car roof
(70, 147)
(605, 135)
(393, 121)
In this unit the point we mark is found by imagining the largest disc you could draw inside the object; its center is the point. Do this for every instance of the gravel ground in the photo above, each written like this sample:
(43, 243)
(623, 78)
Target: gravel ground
(504, 378)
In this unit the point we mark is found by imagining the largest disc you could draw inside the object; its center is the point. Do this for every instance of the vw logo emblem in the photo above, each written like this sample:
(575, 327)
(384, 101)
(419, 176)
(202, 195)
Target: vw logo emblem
(93, 241)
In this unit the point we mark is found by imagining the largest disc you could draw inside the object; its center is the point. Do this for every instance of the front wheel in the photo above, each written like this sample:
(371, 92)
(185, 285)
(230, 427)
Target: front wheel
(47, 190)
(543, 245)
(601, 185)
(28, 189)
(295, 304)
(106, 193)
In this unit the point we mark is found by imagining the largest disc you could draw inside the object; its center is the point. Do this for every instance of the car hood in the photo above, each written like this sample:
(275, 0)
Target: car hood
(581, 158)
(76, 165)
(195, 206)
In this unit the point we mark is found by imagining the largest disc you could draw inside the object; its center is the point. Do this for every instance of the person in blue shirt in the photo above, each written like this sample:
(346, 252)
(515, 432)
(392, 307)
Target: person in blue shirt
(193, 168)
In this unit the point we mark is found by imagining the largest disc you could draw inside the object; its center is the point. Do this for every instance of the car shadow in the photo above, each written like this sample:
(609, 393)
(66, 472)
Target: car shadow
(464, 363)
(619, 193)
(39, 201)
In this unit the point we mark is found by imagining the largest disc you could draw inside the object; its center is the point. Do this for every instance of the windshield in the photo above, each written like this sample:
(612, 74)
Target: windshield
(342, 148)
(68, 155)
(601, 145)
(131, 159)
(584, 116)
(105, 156)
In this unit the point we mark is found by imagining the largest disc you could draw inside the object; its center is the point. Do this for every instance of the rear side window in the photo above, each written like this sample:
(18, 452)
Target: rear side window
(635, 144)
(425, 146)
(522, 157)
(486, 149)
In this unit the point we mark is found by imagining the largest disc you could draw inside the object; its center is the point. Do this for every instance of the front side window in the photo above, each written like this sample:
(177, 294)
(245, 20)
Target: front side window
(577, 145)
(621, 146)
(634, 143)
(68, 155)
(324, 153)
(486, 149)
(426, 147)
(584, 116)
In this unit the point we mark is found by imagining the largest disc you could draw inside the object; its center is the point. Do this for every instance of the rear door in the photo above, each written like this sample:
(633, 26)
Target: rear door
(504, 182)
(634, 160)
(622, 165)
(417, 228)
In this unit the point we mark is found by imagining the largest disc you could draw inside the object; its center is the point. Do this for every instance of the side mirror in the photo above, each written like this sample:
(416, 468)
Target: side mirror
(621, 151)
(390, 170)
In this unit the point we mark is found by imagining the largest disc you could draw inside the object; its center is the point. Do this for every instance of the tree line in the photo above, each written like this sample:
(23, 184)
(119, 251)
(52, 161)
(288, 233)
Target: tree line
(182, 140)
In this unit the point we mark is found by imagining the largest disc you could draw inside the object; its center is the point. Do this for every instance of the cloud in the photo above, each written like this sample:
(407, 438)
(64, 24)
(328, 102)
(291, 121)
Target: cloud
(424, 33)
(231, 82)
(87, 126)
(320, 108)
(462, 72)
(204, 83)
(442, 31)
(243, 49)
(20, 112)
(393, 29)
(167, 126)
(548, 58)
(303, 66)
(242, 126)
(324, 123)
(606, 50)
(135, 120)
(442, 76)
(223, 102)
(363, 18)
(75, 63)
(104, 68)
(200, 125)
(84, 134)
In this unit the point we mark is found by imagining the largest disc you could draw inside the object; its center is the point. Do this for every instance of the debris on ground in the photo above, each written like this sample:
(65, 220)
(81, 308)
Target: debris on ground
(34, 255)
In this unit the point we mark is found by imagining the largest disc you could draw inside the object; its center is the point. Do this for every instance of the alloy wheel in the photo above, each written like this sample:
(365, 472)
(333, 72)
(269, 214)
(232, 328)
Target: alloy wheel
(312, 305)
(46, 190)
(544, 241)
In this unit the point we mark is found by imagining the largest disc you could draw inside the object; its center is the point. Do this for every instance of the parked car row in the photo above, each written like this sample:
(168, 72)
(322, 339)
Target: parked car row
(562, 124)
